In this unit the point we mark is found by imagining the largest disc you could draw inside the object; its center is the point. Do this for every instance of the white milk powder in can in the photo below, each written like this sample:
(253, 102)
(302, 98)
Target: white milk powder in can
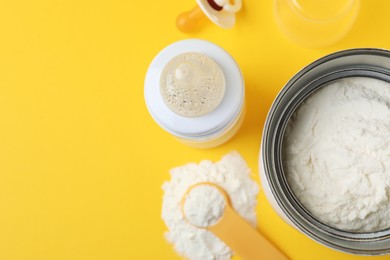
(355, 63)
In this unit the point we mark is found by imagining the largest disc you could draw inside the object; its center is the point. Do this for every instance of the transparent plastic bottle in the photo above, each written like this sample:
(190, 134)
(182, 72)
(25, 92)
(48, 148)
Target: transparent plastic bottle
(316, 23)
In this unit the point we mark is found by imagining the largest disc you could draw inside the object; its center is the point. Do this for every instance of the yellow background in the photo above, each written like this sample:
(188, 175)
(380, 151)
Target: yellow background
(81, 160)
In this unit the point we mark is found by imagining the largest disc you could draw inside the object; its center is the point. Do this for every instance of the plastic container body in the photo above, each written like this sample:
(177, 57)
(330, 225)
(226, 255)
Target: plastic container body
(371, 63)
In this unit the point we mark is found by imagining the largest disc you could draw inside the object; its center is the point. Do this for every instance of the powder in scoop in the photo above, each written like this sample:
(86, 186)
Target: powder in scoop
(337, 154)
(231, 173)
(204, 205)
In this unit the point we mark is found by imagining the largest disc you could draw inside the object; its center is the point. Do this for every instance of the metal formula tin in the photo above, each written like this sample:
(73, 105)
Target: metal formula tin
(373, 63)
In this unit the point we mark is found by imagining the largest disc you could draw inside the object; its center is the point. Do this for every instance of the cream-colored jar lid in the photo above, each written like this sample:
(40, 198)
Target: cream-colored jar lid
(192, 84)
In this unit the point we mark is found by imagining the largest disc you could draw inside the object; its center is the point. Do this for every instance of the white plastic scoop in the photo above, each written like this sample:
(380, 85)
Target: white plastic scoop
(238, 234)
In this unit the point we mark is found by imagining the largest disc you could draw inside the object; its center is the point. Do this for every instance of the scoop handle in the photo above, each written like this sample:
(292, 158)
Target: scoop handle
(243, 239)
(189, 21)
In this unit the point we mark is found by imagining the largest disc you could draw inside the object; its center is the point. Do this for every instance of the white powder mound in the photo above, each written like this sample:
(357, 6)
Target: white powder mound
(337, 154)
(204, 205)
(232, 174)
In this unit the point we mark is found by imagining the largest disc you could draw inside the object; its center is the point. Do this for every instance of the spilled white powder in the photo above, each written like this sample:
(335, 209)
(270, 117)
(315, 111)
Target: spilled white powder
(204, 205)
(337, 154)
(232, 174)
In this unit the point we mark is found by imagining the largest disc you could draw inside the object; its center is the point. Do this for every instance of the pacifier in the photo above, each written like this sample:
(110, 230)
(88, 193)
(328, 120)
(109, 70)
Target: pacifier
(221, 12)
(215, 214)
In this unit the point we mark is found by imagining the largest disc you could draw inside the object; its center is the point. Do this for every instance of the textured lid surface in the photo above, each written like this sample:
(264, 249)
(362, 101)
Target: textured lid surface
(192, 84)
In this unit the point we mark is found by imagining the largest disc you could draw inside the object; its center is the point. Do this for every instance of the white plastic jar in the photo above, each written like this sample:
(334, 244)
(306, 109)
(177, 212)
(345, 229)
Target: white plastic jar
(212, 128)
